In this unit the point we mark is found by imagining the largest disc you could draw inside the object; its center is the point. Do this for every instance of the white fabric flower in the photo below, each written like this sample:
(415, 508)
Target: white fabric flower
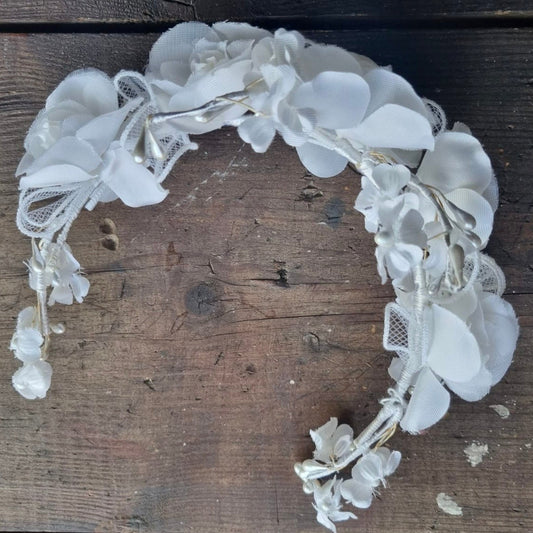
(386, 184)
(390, 116)
(400, 238)
(367, 474)
(83, 107)
(33, 380)
(332, 442)
(284, 103)
(270, 104)
(387, 114)
(27, 340)
(469, 361)
(55, 266)
(282, 48)
(328, 504)
(460, 169)
(68, 284)
(192, 63)
(73, 141)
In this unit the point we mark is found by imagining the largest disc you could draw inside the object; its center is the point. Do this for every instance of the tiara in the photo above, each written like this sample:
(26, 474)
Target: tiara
(428, 194)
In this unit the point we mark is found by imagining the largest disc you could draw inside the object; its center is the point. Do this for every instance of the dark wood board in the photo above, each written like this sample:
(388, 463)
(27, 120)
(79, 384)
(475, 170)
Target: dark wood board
(192, 300)
(308, 12)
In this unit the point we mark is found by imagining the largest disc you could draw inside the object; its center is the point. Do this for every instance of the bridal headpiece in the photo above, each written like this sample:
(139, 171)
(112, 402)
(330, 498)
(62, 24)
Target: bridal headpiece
(428, 195)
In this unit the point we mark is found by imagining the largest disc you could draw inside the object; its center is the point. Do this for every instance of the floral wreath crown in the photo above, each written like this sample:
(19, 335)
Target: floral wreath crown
(428, 195)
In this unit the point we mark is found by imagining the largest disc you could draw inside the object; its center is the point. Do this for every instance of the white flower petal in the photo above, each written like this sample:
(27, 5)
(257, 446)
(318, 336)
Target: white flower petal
(396, 368)
(319, 58)
(393, 462)
(502, 330)
(62, 294)
(322, 519)
(176, 43)
(257, 131)
(454, 356)
(340, 99)
(458, 161)
(321, 161)
(478, 207)
(102, 130)
(27, 317)
(239, 31)
(69, 151)
(221, 81)
(428, 404)
(410, 229)
(401, 258)
(391, 179)
(474, 389)
(80, 287)
(492, 194)
(370, 468)
(91, 88)
(54, 175)
(357, 494)
(393, 126)
(389, 88)
(135, 185)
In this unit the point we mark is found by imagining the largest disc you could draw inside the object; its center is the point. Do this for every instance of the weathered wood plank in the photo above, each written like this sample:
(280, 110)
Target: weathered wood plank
(192, 301)
(319, 11)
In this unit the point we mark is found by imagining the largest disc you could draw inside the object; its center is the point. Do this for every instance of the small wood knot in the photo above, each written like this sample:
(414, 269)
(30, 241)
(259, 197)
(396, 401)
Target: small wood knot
(201, 300)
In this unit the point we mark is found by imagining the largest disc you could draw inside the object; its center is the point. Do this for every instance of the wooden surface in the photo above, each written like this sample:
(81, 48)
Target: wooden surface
(246, 308)
(318, 12)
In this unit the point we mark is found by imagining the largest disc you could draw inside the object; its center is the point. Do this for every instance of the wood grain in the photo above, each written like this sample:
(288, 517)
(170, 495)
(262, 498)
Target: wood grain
(185, 386)
(312, 13)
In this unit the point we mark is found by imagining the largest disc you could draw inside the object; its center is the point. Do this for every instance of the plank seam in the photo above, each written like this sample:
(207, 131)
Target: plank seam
(317, 23)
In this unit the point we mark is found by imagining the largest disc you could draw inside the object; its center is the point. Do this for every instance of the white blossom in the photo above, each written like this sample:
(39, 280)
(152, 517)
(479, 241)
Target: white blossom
(32, 380)
(460, 170)
(332, 442)
(368, 474)
(73, 141)
(292, 88)
(400, 238)
(469, 361)
(193, 63)
(55, 266)
(68, 283)
(328, 504)
(27, 340)
(387, 183)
